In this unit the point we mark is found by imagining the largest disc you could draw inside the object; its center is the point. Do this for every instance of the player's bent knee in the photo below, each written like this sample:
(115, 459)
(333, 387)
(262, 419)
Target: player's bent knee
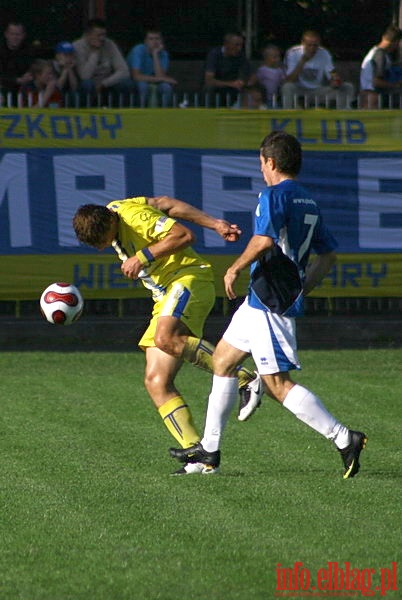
(171, 345)
(154, 382)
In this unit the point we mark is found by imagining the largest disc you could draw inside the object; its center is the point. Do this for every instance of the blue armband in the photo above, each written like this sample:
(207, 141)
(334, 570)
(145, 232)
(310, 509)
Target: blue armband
(145, 256)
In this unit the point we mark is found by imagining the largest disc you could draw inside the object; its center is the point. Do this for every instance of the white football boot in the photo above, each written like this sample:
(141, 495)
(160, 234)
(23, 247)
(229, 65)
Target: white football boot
(250, 398)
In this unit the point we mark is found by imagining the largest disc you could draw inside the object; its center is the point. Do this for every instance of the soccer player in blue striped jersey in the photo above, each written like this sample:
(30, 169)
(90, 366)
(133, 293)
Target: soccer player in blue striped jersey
(288, 223)
(155, 248)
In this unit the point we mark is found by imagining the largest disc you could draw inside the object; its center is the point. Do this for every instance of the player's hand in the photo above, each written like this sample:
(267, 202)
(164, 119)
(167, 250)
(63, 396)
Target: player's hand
(131, 267)
(228, 231)
(229, 281)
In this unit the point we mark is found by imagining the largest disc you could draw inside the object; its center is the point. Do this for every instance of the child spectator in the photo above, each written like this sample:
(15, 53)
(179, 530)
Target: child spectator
(42, 91)
(64, 67)
(271, 73)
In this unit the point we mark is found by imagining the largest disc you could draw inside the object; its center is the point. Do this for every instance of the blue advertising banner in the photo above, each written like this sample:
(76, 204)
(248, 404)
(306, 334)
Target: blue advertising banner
(360, 195)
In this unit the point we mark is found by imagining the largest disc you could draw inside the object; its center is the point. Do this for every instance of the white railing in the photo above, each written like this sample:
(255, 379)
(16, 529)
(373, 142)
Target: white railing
(203, 100)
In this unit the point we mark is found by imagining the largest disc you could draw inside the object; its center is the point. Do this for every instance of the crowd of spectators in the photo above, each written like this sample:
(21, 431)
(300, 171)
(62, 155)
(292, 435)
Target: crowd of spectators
(93, 71)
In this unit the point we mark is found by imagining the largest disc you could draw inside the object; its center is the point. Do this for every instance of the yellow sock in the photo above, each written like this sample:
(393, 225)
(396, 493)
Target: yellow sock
(199, 352)
(177, 417)
(244, 376)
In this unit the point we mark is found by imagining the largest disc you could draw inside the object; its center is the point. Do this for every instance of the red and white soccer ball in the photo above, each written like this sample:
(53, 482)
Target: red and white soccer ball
(61, 303)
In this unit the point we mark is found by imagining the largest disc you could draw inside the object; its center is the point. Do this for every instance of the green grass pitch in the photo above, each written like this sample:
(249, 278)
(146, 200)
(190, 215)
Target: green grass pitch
(89, 511)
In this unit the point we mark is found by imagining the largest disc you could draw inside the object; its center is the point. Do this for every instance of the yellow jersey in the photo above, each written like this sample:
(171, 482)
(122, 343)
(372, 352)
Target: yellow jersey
(139, 226)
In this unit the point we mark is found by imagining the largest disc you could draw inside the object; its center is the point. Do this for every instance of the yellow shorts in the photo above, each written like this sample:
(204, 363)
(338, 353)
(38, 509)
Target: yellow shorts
(188, 298)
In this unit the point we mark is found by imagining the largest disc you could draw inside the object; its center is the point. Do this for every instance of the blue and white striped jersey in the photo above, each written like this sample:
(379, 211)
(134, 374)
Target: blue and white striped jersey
(287, 213)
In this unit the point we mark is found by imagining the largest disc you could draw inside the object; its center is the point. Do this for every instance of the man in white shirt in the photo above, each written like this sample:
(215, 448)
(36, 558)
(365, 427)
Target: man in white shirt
(310, 73)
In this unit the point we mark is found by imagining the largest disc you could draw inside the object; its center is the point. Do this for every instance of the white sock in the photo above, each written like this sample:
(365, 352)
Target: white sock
(222, 398)
(308, 408)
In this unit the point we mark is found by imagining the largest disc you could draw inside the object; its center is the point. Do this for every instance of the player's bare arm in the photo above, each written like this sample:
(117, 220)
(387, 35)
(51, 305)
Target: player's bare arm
(178, 209)
(179, 237)
(317, 270)
(256, 247)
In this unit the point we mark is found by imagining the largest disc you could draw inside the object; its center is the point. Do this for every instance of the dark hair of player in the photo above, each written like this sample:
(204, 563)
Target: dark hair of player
(92, 224)
(285, 149)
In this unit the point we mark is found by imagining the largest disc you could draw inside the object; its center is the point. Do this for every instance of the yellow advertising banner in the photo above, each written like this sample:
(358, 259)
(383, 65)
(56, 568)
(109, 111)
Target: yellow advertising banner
(99, 276)
(198, 128)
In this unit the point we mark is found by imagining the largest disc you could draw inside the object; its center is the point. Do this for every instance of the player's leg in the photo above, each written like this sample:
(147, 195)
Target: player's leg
(273, 344)
(198, 352)
(309, 409)
(221, 401)
(306, 406)
(172, 334)
(223, 395)
(160, 373)
(230, 351)
(161, 369)
(180, 322)
(280, 348)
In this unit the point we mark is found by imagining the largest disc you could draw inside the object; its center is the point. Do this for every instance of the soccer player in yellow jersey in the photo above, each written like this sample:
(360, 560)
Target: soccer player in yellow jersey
(155, 248)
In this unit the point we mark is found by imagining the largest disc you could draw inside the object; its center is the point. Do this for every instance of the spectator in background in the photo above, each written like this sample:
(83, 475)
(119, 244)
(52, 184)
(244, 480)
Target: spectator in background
(227, 71)
(100, 64)
(64, 65)
(42, 90)
(375, 73)
(149, 65)
(271, 73)
(16, 57)
(310, 72)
